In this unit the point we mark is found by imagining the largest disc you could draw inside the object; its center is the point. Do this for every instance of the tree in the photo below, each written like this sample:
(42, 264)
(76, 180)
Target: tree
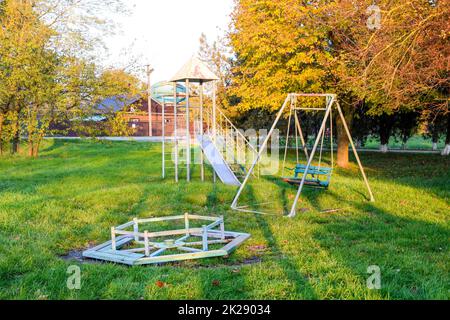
(24, 59)
(398, 64)
(45, 76)
(218, 58)
(275, 53)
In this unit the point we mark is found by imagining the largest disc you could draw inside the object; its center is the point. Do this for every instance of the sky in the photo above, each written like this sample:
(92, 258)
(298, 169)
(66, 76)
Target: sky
(165, 33)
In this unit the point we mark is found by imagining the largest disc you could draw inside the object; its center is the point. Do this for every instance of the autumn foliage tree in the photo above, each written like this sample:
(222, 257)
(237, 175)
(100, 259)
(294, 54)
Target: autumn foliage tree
(399, 64)
(48, 72)
(382, 59)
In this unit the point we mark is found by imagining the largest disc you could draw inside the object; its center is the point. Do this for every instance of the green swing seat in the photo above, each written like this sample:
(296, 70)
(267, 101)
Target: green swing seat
(316, 174)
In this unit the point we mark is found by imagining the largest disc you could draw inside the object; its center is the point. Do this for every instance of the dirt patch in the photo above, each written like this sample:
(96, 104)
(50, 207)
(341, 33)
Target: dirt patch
(74, 255)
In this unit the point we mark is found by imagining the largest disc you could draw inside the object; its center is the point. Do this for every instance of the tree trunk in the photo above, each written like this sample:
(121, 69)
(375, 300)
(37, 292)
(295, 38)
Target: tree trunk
(15, 148)
(342, 142)
(15, 143)
(1, 133)
(446, 150)
(385, 124)
(30, 148)
(37, 145)
(435, 138)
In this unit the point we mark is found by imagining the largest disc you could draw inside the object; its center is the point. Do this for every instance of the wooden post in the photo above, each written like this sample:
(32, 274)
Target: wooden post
(361, 168)
(205, 238)
(150, 125)
(146, 243)
(113, 239)
(222, 228)
(186, 223)
(136, 229)
(188, 135)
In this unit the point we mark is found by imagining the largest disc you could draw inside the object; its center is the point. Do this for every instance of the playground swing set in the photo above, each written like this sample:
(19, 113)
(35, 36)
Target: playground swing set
(316, 176)
(223, 145)
(304, 174)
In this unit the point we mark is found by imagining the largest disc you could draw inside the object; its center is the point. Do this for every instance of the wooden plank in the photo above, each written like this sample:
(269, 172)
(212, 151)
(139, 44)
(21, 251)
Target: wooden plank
(123, 253)
(197, 217)
(125, 225)
(158, 252)
(199, 243)
(159, 219)
(181, 257)
(108, 257)
(189, 249)
(214, 224)
(158, 234)
(235, 243)
(108, 243)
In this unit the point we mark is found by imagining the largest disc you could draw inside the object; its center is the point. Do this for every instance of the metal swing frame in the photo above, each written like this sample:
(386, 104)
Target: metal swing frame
(291, 102)
(315, 172)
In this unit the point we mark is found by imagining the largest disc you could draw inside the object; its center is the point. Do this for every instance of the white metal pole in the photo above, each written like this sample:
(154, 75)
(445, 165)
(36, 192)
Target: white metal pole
(163, 138)
(188, 135)
(361, 168)
(332, 139)
(214, 113)
(175, 112)
(202, 159)
(150, 126)
(262, 149)
(302, 137)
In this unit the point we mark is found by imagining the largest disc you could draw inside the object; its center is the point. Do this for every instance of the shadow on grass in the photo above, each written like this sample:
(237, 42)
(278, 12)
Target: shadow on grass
(419, 171)
(409, 252)
(290, 269)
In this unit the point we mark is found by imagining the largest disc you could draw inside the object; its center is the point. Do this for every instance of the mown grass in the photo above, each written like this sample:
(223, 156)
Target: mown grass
(416, 142)
(70, 197)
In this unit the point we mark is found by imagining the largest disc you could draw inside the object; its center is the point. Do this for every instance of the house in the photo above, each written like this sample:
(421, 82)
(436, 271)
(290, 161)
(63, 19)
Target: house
(136, 109)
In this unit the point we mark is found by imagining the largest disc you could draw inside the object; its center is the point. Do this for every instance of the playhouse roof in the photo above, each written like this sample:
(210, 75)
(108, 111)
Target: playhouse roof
(195, 71)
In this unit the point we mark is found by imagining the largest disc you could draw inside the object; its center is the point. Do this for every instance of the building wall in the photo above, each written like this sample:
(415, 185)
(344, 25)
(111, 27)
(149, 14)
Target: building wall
(138, 120)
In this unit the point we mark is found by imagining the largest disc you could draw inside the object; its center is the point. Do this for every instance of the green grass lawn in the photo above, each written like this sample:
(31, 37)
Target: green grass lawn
(416, 142)
(68, 199)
